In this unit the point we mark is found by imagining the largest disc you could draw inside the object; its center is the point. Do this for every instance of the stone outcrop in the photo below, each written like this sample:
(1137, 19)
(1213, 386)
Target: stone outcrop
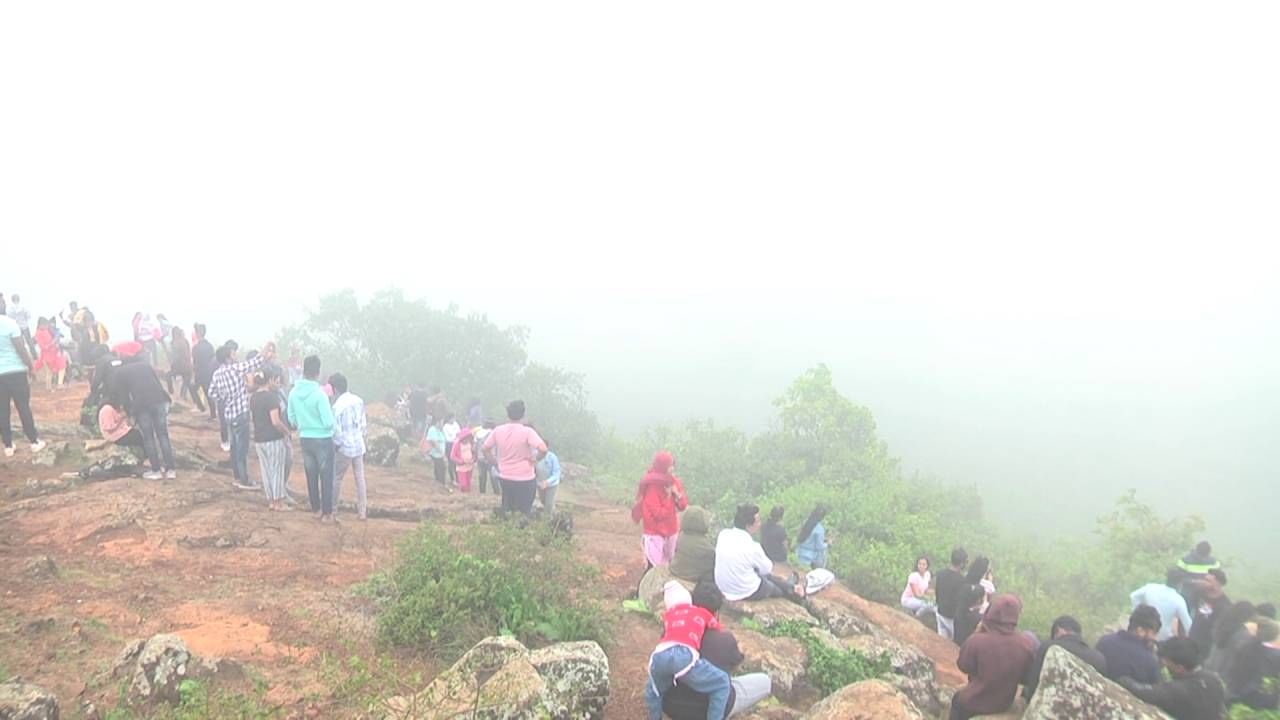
(113, 461)
(154, 669)
(24, 701)
(651, 588)
(1071, 688)
(866, 700)
(500, 679)
(783, 659)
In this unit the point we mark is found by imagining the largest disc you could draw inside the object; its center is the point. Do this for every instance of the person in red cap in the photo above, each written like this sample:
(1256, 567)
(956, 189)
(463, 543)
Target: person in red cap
(659, 500)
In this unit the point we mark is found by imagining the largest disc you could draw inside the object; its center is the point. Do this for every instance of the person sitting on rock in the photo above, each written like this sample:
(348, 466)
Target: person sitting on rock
(1255, 677)
(996, 659)
(914, 595)
(967, 620)
(1129, 652)
(773, 537)
(1192, 694)
(812, 542)
(677, 656)
(720, 648)
(1067, 634)
(742, 568)
(695, 557)
(1231, 637)
(114, 425)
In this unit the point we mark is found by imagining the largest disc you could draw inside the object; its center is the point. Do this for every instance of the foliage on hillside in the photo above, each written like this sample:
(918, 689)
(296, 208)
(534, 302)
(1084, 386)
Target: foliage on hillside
(823, 448)
(390, 342)
(449, 590)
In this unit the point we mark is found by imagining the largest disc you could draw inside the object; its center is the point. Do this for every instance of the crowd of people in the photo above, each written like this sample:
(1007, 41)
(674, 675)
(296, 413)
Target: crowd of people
(1187, 648)
(1215, 652)
(260, 403)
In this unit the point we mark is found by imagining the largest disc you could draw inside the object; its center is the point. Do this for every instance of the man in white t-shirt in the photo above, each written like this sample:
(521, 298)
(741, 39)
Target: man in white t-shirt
(16, 370)
(742, 568)
(451, 430)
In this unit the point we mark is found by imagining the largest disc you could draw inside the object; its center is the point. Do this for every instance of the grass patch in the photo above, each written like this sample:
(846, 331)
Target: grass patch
(830, 669)
(197, 701)
(449, 590)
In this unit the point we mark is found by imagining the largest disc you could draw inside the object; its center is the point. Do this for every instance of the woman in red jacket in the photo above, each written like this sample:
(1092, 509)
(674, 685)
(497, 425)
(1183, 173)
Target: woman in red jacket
(660, 498)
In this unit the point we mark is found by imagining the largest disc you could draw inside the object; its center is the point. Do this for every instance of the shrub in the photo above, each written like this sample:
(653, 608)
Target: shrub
(450, 590)
(828, 668)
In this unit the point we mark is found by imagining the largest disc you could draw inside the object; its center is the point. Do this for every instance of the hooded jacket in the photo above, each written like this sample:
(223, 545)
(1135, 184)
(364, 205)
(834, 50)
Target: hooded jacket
(309, 410)
(995, 658)
(658, 509)
(695, 555)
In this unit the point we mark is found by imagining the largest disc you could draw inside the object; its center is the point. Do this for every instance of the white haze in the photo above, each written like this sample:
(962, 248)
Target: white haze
(1038, 241)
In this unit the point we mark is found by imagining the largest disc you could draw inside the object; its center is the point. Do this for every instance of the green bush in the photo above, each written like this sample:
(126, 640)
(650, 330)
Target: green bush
(197, 701)
(828, 668)
(449, 590)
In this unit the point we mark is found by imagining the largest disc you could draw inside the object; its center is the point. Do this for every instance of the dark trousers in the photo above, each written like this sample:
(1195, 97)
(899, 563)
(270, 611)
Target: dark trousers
(453, 467)
(153, 423)
(213, 407)
(31, 344)
(318, 461)
(487, 474)
(518, 497)
(132, 439)
(188, 387)
(15, 388)
(772, 587)
(441, 471)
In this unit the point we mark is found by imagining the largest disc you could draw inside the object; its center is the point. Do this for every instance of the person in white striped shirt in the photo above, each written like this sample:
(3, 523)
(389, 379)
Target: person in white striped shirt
(350, 426)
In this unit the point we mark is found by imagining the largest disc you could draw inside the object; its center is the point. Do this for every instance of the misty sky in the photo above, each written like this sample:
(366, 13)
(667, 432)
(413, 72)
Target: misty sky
(1039, 242)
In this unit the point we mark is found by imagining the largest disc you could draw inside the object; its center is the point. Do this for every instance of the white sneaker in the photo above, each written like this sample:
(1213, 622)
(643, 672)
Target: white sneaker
(8, 452)
(152, 475)
(37, 446)
(171, 475)
(226, 447)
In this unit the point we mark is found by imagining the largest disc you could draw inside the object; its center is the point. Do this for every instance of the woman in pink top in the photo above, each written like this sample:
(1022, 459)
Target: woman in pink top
(515, 448)
(913, 596)
(115, 428)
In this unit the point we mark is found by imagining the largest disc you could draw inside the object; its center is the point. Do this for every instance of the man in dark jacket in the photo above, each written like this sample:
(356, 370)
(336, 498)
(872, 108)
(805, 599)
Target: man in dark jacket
(720, 648)
(1192, 694)
(202, 360)
(138, 386)
(1213, 604)
(1066, 634)
(1129, 652)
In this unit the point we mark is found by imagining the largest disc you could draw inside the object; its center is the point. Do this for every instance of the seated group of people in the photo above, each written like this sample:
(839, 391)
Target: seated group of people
(1226, 654)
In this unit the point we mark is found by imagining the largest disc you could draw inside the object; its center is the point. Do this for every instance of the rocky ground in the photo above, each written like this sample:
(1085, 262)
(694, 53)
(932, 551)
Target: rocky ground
(91, 565)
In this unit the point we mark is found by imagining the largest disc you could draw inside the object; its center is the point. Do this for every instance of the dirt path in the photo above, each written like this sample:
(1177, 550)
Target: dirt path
(198, 558)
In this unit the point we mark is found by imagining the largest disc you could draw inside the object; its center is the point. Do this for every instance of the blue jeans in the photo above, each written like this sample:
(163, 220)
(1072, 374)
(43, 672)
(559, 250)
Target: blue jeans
(239, 431)
(703, 677)
(318, 461)
(153, 424)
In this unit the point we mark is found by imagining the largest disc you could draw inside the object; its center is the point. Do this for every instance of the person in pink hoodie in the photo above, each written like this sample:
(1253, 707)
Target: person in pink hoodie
(660, 499)
(463, 456)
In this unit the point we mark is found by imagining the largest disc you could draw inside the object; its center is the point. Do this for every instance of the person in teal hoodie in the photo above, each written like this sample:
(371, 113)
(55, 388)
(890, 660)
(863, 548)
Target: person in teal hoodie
(310, 413)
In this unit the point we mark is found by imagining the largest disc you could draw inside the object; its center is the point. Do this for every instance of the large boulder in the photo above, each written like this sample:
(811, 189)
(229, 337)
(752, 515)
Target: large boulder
(783, 659)
(842, 620)
(53, 453)
(23, 701)
(382, 415)
(382, 446)
(913, 670)
(154, 669)
(113, 461)
(1071, 688)
(866, 700)
(576, 676)
(499, 679)
(651, 585)
(768, 613)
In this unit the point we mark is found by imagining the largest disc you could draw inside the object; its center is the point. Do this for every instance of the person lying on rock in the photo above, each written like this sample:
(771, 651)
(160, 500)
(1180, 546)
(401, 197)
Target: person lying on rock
(742, 568)
(995, 658)
(720, 648)
(677, 656)
(1192, 694)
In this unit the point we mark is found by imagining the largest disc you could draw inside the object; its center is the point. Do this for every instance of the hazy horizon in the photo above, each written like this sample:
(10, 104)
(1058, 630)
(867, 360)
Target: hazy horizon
(1039, 243)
